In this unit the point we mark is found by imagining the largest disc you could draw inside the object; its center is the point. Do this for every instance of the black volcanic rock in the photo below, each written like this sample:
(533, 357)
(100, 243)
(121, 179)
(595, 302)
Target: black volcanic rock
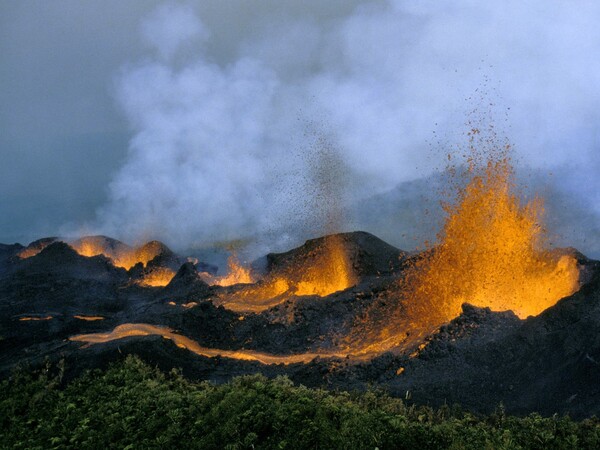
(549, 363)
(7, 254)
(474, 326)
(369, 255)
(61, 259)
(185, 282)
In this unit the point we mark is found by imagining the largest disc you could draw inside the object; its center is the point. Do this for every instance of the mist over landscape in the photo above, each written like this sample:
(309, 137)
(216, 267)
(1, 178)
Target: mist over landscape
(204, 122)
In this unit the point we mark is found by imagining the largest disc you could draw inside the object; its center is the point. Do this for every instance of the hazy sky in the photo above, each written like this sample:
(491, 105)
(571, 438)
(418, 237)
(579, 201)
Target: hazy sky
(199, 121)
(62, 132)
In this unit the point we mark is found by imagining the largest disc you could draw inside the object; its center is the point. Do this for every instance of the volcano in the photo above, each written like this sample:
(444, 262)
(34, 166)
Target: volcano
(487, 314)
(58, 301)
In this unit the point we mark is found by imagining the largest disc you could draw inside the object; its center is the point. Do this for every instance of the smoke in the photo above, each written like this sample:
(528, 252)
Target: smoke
(224, 145)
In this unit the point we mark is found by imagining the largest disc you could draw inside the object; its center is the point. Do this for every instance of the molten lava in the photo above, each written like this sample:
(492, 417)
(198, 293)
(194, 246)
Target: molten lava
(120, 255)
(28, 252)
(159, 276)
(236, 274)
(330, 271)
(88, 318)
(34, 318)
(324, 270)
(491, 253)
(144, 329)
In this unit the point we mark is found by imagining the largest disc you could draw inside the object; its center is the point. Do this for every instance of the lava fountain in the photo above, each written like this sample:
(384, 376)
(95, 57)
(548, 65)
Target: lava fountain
(330, 271)
(491, 252)
(236, 274)
(322, 271)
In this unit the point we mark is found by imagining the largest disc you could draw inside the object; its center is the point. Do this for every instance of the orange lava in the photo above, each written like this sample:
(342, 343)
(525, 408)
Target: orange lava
(323, 271)
(491, 253)
(159, 276)
(331, 270)
(236, 274)
(34, 318)
(29, 252)
(144, 329)
(124, 256)
(89, 318)
(256, 297)
(121, 255)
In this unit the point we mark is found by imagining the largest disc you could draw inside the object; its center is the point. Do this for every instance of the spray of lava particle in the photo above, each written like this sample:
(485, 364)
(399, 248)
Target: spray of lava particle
(236, 274)
(329, 272)
(491, 252)
(320, 271)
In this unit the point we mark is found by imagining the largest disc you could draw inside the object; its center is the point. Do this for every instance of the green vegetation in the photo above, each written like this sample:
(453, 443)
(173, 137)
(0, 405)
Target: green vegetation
(132, 405)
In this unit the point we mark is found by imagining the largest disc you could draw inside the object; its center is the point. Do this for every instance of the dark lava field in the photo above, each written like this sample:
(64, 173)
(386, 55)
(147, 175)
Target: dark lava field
(56, 304)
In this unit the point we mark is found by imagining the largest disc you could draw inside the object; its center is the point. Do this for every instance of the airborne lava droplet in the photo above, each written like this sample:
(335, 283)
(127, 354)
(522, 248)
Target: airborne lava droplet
(491, 252)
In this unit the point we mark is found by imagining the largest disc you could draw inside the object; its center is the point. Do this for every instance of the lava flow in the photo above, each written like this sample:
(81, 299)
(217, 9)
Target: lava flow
(144, 329)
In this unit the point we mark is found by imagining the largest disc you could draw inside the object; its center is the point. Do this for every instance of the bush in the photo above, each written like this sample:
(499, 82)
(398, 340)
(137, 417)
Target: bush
(132, 405)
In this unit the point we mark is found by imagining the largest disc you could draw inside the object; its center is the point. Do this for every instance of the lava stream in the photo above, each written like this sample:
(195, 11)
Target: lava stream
(144, 329)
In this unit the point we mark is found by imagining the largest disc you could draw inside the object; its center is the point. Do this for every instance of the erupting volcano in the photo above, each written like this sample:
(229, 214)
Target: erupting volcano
(342, 303)
(491, 252)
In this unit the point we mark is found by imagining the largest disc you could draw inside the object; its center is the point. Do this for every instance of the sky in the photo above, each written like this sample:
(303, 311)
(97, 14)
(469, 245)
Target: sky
(196, 122)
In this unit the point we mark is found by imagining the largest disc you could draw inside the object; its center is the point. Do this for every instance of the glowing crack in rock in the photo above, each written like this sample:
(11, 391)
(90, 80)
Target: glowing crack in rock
(34, 318)
(88, 318)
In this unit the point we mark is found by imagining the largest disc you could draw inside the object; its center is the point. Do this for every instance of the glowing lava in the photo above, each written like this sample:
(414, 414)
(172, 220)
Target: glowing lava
(88, 318)
(144, 329)
(119, 254)
(329, 272)
(34, 318)
(491, 253)
(159, 276)
(124, 256)
(236, 274)
(324, 270)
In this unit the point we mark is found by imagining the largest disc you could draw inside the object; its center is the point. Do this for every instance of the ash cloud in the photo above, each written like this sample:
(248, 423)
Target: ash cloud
(224, 142)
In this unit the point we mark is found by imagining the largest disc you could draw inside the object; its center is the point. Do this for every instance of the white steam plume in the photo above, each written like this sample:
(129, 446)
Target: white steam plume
(217, 151)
